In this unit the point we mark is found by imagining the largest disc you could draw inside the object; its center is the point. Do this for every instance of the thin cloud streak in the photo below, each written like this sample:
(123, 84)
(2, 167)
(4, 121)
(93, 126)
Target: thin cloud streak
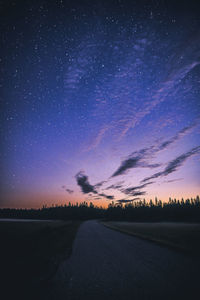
(115, 186)
(130, 116)
(137, 158)
(133, 190)
(173, 165)
(69, 191)
(128, 200)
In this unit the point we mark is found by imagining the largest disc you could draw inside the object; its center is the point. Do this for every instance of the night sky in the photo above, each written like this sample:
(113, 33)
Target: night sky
(100, 101)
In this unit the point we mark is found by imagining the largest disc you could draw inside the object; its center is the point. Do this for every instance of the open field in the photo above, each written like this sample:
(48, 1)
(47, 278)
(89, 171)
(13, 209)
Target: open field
(183, 236)
(31, 252)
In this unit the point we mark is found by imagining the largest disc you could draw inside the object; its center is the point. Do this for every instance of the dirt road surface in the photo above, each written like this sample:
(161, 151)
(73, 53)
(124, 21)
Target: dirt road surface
(106, 264)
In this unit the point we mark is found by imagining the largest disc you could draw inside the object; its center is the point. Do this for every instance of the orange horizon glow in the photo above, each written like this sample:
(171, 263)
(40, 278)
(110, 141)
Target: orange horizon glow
(38, 202)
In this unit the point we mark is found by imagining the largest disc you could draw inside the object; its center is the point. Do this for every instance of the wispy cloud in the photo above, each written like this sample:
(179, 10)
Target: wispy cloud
(173, 165)
(98, 138)
(69, 191)
(87, 188)
(173, 180)
(138, 159)
(98, 185)
(137, 193)
(178, 136)
(135, 189)
(115, 186)
(124, 86)
(127, 200)
(141, 159)
(106, 196)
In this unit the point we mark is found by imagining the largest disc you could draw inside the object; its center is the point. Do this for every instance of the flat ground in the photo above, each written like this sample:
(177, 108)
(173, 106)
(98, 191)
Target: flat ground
(106, 264)
(182, 236)
(30, 253)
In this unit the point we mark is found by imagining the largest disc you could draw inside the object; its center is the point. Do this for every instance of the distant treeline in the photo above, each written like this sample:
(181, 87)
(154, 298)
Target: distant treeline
(141, 211)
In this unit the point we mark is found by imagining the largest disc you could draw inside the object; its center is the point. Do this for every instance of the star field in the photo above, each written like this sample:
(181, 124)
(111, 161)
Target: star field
(86, 87)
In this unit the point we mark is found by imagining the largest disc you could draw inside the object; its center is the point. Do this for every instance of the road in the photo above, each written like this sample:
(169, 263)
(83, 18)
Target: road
(106, 264)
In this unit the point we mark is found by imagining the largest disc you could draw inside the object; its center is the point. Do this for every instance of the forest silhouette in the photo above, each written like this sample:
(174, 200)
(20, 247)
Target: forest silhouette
(184, 210)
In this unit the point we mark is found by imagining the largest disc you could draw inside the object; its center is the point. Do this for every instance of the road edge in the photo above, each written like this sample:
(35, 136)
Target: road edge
(152, 240)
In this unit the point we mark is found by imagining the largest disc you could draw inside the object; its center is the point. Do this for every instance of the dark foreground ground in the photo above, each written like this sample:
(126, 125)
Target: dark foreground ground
(30, 253)
(106, 264)
(184, 237)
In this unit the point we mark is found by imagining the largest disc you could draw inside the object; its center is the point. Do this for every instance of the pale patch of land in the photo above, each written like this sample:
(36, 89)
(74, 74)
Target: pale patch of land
(25, 220)
(182, 236)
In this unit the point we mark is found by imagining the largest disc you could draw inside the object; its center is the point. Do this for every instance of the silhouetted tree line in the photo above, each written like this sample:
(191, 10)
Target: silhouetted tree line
(78, 211)
(141, 211)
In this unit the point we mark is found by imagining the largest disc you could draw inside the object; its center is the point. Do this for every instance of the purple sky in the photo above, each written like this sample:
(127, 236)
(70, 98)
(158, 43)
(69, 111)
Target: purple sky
(100, 101)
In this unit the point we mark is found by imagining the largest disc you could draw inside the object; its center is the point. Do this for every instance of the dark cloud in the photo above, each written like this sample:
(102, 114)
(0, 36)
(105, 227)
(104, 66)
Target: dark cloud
(110, 197)
(173, 180)
(173, 165)
(127, 164)
(107, 196)
(139, 193)
(135, 160)
(82, 181)
(124, 201)
(135, 189)
(99, 184)
(69, 191)
(178, 136)
(138, 159)
(87, 188)
(127, 201)
(156, 175)
(177, 162)
(115, 186)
